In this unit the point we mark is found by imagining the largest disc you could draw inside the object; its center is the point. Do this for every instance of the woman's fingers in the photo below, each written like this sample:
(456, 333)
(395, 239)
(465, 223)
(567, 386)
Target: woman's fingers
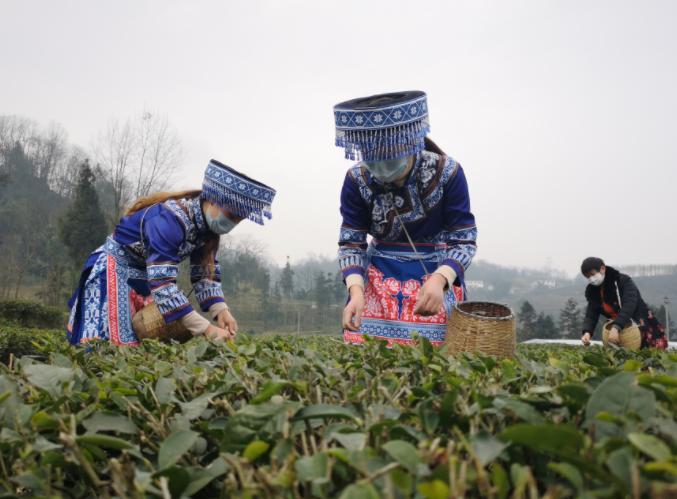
(225, 320)
(420, 302)
(347, 318)
(348, 313)
(357, 318)
(352, 317)
(427, 304)
(231, 324)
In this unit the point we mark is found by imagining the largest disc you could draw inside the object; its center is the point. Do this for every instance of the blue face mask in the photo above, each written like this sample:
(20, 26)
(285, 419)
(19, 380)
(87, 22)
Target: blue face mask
(389, 170)
(220, 224)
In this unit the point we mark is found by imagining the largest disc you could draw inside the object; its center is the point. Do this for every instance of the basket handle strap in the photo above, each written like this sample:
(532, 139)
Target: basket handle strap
(620, 304)
(411, 242)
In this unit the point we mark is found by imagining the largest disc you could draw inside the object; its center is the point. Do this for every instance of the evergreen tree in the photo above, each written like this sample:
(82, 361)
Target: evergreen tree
(526, 322)
(287, 280)
(570, 320)
(340, 291)
(323, 290)
(82, 228)
(545, 327)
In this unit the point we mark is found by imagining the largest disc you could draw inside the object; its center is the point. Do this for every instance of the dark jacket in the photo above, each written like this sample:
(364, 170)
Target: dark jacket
(615, 283)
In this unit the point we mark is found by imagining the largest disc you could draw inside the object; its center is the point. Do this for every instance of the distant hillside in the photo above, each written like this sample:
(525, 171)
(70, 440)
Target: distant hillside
(547, 291)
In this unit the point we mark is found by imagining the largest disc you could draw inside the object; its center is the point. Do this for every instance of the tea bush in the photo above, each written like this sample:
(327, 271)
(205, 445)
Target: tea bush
(32, 314)
(281, 416)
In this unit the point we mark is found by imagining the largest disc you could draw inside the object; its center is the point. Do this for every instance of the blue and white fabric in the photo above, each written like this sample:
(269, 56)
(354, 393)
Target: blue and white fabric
(228, 188)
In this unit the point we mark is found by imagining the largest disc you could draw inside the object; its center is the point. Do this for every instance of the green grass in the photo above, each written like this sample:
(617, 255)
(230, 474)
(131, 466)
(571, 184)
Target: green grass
(290, 416)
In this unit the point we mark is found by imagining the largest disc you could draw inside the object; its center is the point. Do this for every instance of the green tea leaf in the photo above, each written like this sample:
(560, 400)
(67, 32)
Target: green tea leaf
(179, 480)
(436, 489)
(620, 463)
(255, 449)
(43, 421)
(195, 407)
(49, 378)
(619, 395)
(164, 390)
(663, 467)
(650, 445)
(521, 409)
(351, 441)
(175, 446)
(570, 472)
(404, 453)
(550, 438)
(499, 478)
(487, 448)
(43, 445)
(575, 393)
(105, 441)
(360, 491)
(269, 389)
(326, 411)
(311, 468)
(105, 421)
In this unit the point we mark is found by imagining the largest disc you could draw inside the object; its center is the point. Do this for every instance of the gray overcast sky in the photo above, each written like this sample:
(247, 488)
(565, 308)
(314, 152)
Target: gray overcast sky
(563, 113)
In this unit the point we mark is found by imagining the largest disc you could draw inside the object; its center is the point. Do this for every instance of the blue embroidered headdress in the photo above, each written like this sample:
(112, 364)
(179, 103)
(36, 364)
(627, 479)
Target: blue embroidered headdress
(235, 191)
(382, 127)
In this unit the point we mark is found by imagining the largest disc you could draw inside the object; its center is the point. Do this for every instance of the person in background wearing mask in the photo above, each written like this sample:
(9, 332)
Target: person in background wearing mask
(413, 201)
(615, 296)
(139, 262)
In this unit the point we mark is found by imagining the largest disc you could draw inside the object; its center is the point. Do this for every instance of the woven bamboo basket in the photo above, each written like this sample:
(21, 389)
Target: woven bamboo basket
(148, 323)
(483, 327)
(630, 337)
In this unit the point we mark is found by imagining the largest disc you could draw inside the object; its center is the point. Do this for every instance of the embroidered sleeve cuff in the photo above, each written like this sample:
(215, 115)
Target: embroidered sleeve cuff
(194, 323)
(354, 279)
(210, 302)
(207, 293)
(448, 273)
(175, 314)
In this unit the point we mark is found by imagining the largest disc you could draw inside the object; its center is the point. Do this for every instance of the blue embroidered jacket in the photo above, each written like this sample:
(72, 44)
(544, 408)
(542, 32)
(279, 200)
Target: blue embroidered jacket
(433, 204)
(172, 231)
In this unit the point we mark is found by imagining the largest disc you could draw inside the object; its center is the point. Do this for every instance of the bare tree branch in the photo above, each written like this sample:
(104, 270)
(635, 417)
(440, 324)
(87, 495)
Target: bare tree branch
(138, 156)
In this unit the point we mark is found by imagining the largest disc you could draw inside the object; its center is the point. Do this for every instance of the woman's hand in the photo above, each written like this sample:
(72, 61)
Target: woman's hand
(352, 314)
(614, 335)
(430, 299)
(585, 339)
(218, 334)
(225, 320)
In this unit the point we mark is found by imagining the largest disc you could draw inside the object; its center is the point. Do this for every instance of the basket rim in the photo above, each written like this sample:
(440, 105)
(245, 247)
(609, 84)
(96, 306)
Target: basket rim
(484, 317)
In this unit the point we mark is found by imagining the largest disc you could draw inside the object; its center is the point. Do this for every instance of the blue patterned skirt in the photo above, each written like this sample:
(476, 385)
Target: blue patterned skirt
(101, 307)
(394, 277)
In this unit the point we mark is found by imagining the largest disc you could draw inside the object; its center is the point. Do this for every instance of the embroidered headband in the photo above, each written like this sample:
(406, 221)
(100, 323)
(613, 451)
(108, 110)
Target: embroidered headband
(228, 188)
(382, 127)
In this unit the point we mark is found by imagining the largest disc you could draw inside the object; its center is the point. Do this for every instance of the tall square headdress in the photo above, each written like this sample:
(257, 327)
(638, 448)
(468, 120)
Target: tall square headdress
(230, 189)
(382, 127)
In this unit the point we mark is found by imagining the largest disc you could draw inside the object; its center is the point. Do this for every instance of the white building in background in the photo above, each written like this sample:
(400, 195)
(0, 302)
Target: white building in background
(476, 284)
(647, 270)
(546, 283)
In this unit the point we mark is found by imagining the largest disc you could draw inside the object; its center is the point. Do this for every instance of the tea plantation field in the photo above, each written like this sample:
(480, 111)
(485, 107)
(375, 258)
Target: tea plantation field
(284, 416)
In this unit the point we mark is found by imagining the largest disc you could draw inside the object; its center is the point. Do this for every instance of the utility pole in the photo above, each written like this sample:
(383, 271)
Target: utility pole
(666, 302)
(298, 321)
